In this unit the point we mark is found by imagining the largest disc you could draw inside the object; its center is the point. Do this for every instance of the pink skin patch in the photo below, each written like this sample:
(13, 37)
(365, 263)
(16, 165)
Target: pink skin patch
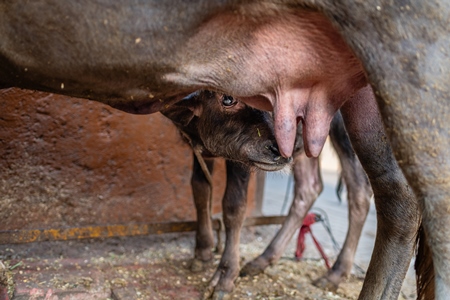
(305, 80)
(298, 66)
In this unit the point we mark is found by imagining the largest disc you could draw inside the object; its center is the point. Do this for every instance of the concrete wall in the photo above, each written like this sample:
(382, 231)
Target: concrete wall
(73, 162)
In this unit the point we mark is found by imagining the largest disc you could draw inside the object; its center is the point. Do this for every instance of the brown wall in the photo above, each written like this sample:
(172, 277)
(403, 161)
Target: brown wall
(73, 162)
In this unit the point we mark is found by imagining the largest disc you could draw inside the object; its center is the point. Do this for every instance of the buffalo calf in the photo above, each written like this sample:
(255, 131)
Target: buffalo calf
(217, 125)
(214, 128)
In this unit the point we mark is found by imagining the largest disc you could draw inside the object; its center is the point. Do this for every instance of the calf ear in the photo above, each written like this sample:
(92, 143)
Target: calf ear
(182, 112)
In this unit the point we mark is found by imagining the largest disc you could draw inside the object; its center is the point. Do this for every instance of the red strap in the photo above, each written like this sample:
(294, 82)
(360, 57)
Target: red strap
(324, 256)
(301, 245)
(301, 241)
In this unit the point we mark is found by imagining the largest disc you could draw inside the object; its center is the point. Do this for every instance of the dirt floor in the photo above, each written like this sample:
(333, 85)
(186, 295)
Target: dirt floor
(154, 267)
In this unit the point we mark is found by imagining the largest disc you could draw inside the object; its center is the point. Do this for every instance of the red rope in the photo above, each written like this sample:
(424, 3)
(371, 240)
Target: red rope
(306, 227)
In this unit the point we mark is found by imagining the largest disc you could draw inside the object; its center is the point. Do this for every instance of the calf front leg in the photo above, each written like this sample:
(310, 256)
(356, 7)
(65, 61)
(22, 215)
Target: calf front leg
(359, 193)
(204, 239)
(234, 205)
(308, 186)
(397, 208)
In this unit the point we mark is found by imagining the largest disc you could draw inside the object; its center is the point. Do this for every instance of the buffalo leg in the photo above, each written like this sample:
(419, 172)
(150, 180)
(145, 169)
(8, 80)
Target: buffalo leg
(359, 193)
(397, 208)
(419, 130)
(204, 240)
(234, 205)
(308, 186)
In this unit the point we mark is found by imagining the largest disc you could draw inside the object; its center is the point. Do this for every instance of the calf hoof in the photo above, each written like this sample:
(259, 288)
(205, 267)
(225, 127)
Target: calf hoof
(221, 285)
(251, 269)
(211, 294)
(3, 283)
(198, 265)
(325, 283)
(3, 277)
(221, 295)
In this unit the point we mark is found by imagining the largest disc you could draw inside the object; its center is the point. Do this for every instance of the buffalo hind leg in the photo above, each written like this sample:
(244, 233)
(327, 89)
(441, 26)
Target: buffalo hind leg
(416, 114)
(204, 239)
(359, 193)
(234, 204)
(308, 186)
(397, 208)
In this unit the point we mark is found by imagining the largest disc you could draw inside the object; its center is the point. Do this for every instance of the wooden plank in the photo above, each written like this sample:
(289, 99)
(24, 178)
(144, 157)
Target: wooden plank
(257, 221)
(116, 230)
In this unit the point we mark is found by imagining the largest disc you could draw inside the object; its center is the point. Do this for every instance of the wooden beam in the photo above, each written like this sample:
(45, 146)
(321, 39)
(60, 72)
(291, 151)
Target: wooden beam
(117, 230)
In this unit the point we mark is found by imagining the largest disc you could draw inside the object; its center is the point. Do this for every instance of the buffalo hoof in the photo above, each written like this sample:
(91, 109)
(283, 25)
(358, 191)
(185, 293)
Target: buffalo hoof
(325, 283)
(198, 265)
(251, 269)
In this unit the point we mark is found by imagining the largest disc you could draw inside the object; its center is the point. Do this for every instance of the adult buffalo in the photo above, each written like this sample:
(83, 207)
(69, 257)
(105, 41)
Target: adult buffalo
(302, 58)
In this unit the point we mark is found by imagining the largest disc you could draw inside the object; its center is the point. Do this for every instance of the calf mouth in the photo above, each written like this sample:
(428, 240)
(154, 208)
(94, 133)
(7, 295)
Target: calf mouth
(272, 166)
(268, 157)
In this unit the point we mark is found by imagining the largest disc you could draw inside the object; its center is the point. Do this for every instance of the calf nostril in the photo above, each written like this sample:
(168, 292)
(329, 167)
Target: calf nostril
(276, 152)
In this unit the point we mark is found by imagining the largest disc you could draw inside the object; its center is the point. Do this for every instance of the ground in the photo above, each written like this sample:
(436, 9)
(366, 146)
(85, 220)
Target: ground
(155, 267)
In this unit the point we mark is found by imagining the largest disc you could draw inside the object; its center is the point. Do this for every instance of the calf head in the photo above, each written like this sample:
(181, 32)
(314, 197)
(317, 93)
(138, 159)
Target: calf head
(222, 126)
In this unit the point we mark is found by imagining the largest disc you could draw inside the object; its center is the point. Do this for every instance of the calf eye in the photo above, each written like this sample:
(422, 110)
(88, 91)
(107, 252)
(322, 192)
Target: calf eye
(228, 100)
